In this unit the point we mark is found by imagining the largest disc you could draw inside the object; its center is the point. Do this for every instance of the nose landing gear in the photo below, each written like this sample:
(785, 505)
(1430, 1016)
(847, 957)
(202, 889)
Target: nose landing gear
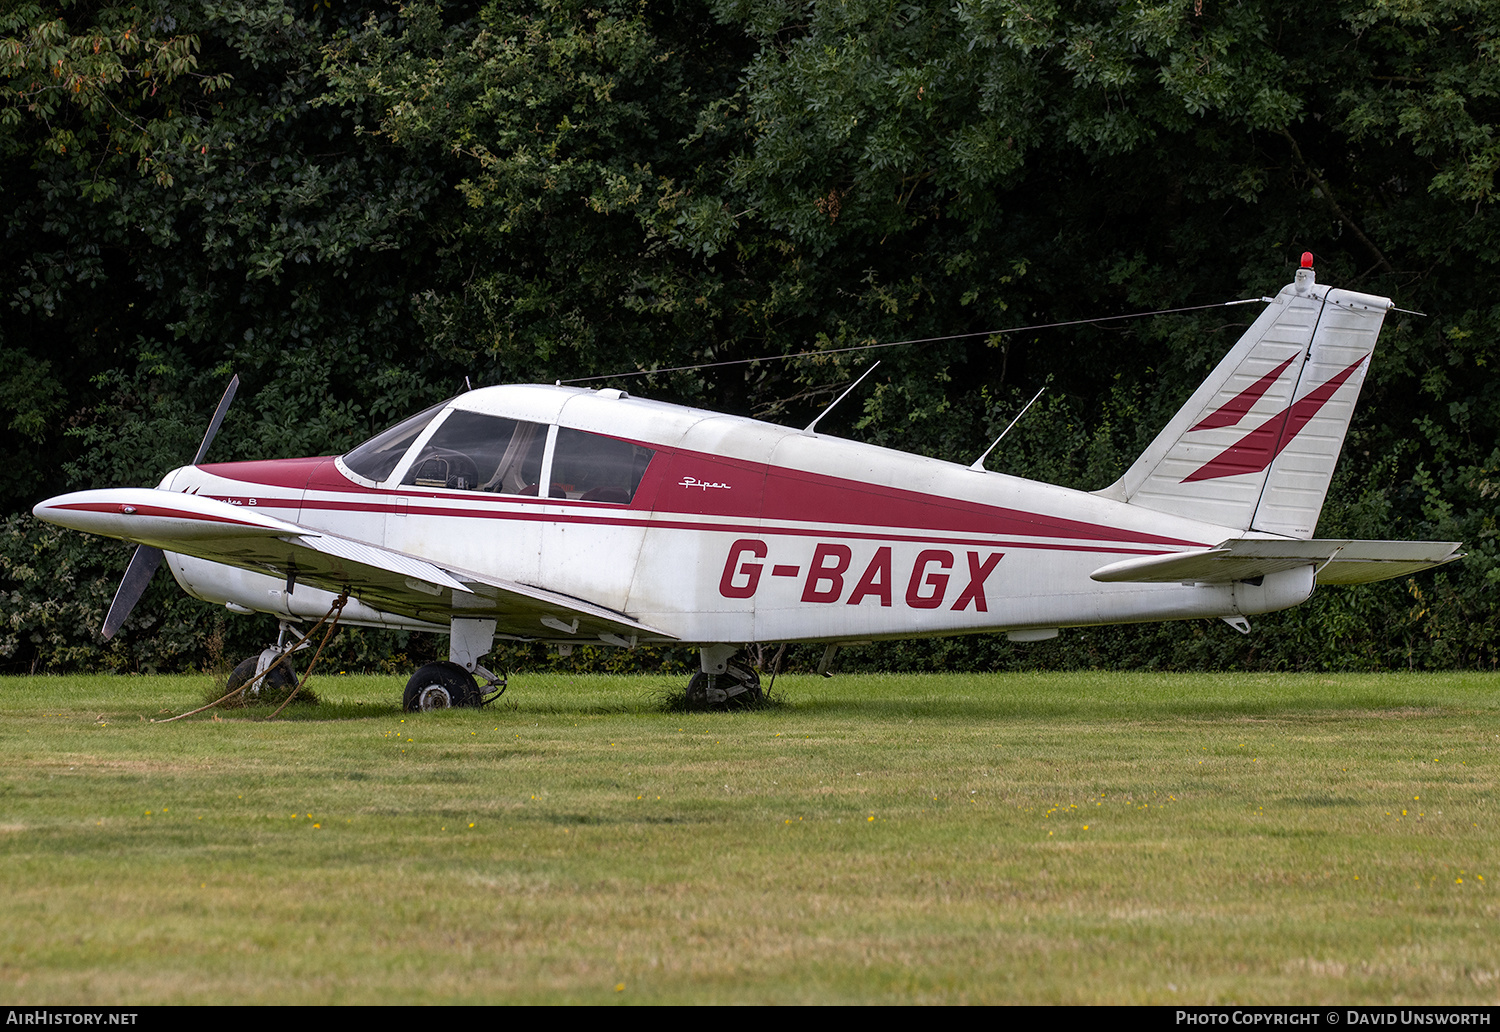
(277, 683)
(269, 674)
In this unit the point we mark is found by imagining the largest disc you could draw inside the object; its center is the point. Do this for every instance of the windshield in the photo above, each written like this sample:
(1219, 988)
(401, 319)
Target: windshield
(376, 459)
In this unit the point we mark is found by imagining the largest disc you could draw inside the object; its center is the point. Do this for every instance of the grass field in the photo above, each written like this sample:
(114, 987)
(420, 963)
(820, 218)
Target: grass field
(1068, 838)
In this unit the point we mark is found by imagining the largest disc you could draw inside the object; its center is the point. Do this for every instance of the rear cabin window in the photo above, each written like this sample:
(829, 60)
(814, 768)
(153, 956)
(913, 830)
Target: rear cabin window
(475, 452)
(590, 468)
(377, 458)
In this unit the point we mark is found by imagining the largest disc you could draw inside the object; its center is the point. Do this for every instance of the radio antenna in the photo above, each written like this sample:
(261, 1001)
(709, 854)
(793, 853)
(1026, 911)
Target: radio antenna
(978, 465)
(810, 426)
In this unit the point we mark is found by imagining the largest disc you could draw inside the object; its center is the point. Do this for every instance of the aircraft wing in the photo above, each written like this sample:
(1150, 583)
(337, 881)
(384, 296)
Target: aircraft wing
(1338, 561)
(385, 579)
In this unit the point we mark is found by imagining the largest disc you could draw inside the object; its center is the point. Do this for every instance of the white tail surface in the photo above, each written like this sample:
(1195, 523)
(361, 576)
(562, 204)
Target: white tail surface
(1255, 446)
(1338, 562)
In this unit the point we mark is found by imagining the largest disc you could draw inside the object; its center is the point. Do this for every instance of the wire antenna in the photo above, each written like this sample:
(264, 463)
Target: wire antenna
(901, 343)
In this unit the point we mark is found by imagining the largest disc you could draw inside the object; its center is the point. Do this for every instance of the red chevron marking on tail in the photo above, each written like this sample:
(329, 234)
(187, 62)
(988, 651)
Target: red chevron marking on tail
(1259, 448)
(1232, 411)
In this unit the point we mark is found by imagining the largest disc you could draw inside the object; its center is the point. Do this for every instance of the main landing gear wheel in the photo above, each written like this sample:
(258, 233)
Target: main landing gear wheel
(739, 686)
(440, 686)
(281, 680)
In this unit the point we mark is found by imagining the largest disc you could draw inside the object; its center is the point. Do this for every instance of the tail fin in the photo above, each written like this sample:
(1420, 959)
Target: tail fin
(1255, 446)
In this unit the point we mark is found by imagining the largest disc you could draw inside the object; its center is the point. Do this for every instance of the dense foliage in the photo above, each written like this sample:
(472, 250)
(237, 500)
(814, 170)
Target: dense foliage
(355, 207)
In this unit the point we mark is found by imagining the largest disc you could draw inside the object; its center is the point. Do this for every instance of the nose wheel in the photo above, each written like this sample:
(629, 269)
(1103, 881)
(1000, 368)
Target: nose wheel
(268, 675)
(276, 684)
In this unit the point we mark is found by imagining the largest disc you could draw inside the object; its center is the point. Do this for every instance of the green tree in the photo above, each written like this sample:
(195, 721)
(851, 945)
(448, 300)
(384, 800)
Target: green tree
(355, 211)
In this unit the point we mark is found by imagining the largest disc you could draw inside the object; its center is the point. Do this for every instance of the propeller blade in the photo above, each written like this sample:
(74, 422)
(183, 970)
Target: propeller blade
(213, 425)
(146, 559)
(142, 565)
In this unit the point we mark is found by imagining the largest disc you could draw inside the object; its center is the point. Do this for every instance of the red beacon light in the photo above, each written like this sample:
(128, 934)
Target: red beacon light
(1307, 259)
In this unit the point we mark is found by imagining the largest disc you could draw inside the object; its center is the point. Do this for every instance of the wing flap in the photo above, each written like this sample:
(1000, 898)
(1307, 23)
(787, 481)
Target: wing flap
(411, 586)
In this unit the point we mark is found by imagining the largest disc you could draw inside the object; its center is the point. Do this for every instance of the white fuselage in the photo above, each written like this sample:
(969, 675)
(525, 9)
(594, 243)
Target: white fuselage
(743, 531)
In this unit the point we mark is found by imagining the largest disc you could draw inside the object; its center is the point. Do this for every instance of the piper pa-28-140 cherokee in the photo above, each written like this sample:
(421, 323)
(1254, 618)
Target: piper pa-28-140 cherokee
(571, 515)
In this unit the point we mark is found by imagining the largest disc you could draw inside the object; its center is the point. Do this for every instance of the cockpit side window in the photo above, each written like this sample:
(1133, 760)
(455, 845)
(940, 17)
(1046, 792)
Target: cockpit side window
(377, 458)
(476, 452)
(591, 468)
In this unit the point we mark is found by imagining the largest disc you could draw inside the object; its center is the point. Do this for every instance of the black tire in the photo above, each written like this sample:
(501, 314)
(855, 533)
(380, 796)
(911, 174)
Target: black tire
(707, 691)
(440, 686)
(277, 683)
(697, 690)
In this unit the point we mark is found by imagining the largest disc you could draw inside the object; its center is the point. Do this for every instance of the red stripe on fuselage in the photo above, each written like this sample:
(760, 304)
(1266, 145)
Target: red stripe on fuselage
(800, 497)
(290, 474)
(785, 496)
(653, 521)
